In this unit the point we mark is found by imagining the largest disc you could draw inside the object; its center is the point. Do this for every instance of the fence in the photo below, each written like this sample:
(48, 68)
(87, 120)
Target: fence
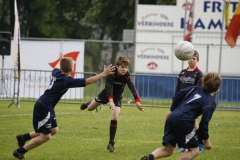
(154, 90)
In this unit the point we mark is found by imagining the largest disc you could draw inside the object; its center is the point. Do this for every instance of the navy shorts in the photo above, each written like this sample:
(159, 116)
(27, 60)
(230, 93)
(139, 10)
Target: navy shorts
(102, 98)
(44, 119)
(175, 134)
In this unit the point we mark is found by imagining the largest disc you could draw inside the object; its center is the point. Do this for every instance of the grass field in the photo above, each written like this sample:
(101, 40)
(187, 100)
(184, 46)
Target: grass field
(84, 135)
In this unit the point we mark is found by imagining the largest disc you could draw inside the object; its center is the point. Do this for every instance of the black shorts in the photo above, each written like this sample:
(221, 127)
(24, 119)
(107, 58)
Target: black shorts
(174, 134)
(102, 98)
(44, 119)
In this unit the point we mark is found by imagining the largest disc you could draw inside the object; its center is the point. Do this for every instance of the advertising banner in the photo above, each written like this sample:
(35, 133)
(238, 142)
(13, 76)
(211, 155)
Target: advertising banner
(41, 57)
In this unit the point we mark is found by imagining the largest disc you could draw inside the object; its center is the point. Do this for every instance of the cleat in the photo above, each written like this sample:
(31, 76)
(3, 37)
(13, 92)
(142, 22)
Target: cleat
(85, 105)
(20, 140)
(110, 147)
(145, 157)
(179, 150)
(19, 155)
(201, 148)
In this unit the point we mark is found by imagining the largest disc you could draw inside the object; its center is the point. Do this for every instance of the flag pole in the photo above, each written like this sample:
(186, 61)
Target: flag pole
(184, 24)
(19, 71)
(16, 57)
(221, 40)
(192, 29)
(220, 54)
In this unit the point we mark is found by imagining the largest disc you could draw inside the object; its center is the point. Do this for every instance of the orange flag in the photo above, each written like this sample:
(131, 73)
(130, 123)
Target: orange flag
(233, 30)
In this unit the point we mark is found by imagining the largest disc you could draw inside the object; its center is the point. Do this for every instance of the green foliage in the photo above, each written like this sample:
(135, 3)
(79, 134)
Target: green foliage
(84, 134)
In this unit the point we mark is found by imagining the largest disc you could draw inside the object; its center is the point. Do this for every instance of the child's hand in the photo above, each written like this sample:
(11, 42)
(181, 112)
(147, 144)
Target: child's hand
(140, 107)
(112, 105)
(108, 70)
(196, 126)
(207, 144)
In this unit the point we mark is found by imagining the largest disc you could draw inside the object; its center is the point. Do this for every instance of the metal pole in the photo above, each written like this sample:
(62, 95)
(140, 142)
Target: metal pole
(207, 58)
(2, 92)
(135, 34)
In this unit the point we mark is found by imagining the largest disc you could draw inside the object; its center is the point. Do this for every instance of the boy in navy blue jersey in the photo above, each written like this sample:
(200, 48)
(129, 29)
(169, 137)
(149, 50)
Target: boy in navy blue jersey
(191, 76)
(112, 93)
(188, 104)
(44, 118)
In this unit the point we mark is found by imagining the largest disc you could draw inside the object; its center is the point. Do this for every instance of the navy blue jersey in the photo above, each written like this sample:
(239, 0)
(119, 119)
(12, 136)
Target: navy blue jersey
(188, 104)
(59, 85)
(115, 85)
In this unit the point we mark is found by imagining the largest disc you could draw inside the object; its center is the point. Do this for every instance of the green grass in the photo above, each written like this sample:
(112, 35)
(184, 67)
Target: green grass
(84, 135)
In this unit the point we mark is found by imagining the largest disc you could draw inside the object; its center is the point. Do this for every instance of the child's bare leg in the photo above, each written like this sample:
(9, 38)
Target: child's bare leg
(34, 134)
(37, 141)
(93, 105)
(190, 154)
(168, 150)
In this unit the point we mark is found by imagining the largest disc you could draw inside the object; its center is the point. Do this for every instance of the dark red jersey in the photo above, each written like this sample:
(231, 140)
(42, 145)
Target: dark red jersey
(189, 78)
(115, 86)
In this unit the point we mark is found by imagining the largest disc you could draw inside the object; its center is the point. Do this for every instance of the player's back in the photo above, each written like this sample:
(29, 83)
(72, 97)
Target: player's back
(58, 87)
(189, 103)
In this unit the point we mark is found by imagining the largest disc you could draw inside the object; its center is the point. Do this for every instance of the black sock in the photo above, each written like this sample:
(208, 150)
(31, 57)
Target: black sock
(151, 157)
(27, 137)
(113, 129)
(21, 150)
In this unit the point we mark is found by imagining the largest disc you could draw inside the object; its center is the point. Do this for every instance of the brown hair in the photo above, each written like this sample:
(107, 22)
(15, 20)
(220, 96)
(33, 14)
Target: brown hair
(121, 60)
(195, 54)
(211, 82)
(66, 64)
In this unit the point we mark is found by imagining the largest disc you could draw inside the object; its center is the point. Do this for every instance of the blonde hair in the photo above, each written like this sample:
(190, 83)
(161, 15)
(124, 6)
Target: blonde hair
(211, 82)
(121, 60)
(66, 64)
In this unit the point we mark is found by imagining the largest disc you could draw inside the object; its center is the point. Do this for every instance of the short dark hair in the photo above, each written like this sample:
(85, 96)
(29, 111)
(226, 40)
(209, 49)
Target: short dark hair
(66, 64)
(121, 60)
(211, 82)
(195, 54)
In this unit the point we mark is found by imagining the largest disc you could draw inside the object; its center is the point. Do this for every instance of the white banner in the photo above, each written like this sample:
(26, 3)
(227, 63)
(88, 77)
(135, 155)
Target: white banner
(44, 55)
(153, 59)
(208, 15)
(16, 43)
(160, 27)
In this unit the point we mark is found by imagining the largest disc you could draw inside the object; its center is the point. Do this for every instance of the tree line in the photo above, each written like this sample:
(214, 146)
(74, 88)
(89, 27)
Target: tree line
(74, 19)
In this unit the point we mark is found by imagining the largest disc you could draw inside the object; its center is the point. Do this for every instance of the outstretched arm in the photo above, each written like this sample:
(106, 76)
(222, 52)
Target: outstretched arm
(106, 71)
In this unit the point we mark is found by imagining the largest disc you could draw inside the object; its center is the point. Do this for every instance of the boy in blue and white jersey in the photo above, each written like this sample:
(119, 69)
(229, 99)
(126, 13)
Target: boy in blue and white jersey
(44, 118)
(188, 104)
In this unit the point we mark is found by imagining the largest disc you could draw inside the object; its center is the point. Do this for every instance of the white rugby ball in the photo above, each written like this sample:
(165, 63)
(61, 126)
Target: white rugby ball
(184, 50)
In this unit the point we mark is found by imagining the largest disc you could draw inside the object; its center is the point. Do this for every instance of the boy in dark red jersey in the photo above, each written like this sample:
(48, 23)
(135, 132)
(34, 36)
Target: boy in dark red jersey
(44, 118)
(191, 76)
(188, 104)
(112, 93)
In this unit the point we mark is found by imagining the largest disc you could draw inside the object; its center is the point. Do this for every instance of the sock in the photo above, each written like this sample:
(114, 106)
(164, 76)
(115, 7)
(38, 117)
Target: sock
(21, 150)
(113, 129)
(151, 157)
(27, 137)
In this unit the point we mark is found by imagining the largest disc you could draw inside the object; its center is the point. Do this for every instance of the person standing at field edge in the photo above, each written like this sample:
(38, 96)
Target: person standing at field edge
(191, 76)
(112, 93)
(44, 118)
(188, 104)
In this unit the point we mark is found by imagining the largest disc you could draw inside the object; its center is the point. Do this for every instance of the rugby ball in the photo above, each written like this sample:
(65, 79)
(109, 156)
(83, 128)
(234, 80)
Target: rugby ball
(184, 50)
